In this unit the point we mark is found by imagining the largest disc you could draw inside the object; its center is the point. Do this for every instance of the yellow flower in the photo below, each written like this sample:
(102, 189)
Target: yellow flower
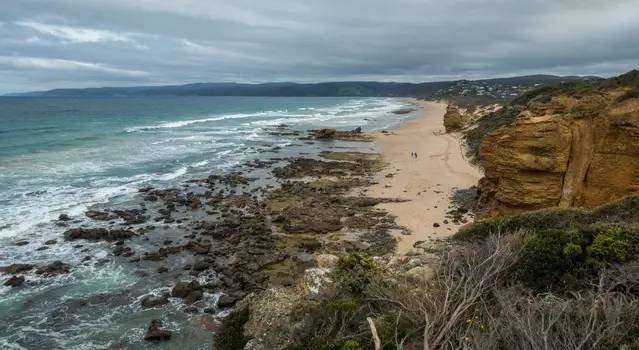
(467, 339)
(469, 321)
(481, 325)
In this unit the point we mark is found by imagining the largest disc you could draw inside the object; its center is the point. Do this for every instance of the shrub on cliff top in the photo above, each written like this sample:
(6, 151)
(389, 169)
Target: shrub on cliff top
(625, 210)
(564, 260)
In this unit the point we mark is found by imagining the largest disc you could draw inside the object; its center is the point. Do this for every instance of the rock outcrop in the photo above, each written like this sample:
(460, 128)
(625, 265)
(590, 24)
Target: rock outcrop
(453, 119)
(572, 151)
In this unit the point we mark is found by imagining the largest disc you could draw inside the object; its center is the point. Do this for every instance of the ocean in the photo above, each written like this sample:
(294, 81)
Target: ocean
(65, 155)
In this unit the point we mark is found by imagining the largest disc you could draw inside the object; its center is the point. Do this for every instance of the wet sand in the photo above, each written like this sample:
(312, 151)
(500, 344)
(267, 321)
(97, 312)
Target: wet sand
(427, 181)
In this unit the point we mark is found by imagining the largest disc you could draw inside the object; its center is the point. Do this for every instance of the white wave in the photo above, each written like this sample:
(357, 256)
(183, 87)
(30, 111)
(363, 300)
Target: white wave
(182, 123)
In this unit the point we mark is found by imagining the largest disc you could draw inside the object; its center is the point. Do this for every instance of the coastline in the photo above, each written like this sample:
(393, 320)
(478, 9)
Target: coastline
(428, 181)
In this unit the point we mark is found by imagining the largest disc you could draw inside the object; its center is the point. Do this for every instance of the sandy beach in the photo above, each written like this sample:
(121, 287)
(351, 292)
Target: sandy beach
(428, 180)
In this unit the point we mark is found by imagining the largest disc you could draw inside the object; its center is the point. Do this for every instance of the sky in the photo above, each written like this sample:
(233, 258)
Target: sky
(46, 44)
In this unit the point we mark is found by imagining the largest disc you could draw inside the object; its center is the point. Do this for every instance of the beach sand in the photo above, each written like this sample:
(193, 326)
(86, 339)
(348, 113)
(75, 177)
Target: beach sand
(428, 180)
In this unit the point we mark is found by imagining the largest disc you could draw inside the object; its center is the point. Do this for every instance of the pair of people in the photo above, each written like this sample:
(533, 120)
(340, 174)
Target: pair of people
(413, 154)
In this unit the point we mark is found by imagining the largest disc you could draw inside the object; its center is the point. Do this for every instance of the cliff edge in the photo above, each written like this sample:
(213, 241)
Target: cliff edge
(570, 145)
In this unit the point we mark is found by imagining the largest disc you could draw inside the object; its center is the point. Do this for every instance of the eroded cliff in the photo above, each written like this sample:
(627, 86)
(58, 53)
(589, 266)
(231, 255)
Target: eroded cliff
(574, 149)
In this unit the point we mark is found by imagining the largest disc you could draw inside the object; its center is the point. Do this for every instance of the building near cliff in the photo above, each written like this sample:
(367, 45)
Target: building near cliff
(573, 145)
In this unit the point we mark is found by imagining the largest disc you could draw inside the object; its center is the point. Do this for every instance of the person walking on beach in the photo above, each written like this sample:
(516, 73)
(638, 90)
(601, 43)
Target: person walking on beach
(412, 154)
(415, 154)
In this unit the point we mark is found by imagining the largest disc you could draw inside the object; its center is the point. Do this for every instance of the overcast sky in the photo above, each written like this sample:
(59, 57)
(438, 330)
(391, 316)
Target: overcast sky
(46, 44)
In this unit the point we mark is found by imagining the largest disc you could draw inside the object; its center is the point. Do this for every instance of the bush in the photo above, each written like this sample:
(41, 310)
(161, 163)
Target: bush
(231, 335)
(356, 271)
(625, 210)
(564, 260)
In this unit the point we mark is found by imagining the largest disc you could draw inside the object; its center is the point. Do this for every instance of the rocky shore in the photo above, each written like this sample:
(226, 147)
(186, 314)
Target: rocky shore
(233, 235)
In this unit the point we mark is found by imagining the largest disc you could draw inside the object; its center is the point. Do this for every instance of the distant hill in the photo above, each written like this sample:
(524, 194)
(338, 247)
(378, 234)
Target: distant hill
(354, 88)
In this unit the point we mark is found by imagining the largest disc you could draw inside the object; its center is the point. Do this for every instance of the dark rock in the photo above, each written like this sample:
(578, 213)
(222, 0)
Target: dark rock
(357, 130)
(155, 331)
(209, 310)
(97, 234)
(162, 269)
(145, 189)
(50, 242)
(64, 217)
(42, 248)
(183, 289)
(53, 269)
(21, 243)
(201, 266)
(226, 301)
(151, 198)
(16, 268)
(191, 310)
(150, 300)
(446, 222)
(436, 225)
(98, 215)
(194, 296)
(15, 281)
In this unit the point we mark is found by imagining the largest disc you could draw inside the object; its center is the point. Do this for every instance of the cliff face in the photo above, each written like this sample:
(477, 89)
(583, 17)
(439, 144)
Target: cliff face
(571, 151)
(453, 119)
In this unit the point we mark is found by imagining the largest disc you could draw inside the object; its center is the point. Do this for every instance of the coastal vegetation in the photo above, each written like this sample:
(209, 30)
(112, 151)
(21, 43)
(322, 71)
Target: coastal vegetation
(561, 279)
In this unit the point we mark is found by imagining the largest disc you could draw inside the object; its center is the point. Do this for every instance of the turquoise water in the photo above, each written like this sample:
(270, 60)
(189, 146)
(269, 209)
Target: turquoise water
(64, 155)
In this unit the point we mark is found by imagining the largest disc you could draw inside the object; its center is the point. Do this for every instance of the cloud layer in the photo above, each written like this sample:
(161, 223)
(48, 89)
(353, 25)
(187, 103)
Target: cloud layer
(85, 43)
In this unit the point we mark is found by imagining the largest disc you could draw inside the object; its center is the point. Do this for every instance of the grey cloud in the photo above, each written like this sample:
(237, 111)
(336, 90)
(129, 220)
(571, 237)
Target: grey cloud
(76, 43)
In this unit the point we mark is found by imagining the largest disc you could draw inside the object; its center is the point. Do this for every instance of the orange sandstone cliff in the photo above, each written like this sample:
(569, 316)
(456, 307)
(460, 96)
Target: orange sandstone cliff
(564, 149)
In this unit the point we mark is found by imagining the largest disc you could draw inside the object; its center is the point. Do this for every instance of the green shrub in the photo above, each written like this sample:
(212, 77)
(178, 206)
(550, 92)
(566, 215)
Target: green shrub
(352, 345)
(231, 335)
(560, 259)
(346, 305)
(356, 271)
(610, 245)
(625, 210)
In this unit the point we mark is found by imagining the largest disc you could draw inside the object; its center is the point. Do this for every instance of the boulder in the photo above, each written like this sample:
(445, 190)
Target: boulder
(16, 268)
(21, 243)
(151, 300)
(315, 283)
(191, 310)
(226, 301)
(97, 234)
(64, 217)
(326, 260)
(50, 242)
(53, 269)
(194, 296)
(155, 331)
(324, 133)
(15, 281)
(201, 266)
(99, 215)
(183, 289)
